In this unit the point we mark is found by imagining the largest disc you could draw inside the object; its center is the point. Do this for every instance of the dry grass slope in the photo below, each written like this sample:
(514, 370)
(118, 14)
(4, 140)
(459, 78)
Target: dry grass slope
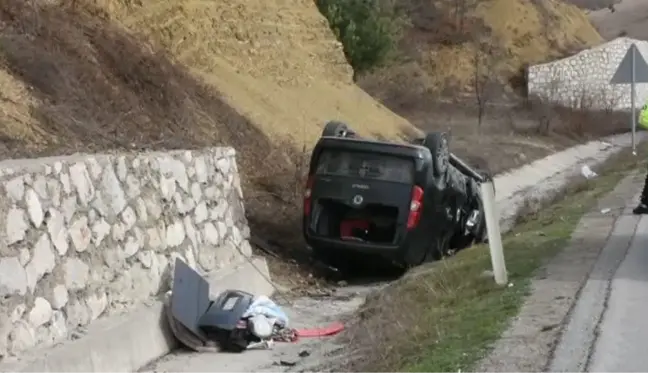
(437, 52)
(73, 81)
(275, 61)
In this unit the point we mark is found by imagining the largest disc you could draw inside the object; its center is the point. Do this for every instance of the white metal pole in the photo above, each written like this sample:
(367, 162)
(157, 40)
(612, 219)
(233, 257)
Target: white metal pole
(494, 234)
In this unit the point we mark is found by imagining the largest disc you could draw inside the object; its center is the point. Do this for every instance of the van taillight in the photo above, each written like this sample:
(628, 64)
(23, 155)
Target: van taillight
(307, 196)
(416, 207)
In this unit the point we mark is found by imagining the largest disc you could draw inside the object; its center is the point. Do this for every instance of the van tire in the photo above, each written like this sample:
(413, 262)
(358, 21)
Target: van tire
(335, 129)
(437, 144)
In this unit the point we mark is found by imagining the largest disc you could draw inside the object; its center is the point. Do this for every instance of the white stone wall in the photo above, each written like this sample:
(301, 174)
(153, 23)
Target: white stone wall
(586, 77)
(86, 236)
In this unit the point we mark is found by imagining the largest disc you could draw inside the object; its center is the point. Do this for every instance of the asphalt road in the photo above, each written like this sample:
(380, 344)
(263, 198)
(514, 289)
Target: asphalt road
(630, 18)
(623, 335)
(608, 327)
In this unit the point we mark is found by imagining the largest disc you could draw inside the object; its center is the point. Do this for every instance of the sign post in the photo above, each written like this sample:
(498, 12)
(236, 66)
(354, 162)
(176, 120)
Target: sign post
(494, 233)
(633, 69)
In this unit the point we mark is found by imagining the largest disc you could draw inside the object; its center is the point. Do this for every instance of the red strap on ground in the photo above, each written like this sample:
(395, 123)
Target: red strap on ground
(330, 330)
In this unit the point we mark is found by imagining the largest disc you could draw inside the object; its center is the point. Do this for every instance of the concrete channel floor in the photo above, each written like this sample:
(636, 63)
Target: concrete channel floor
(608, 327)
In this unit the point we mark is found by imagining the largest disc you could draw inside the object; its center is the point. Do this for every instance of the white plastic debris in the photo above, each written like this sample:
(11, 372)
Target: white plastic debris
(262, 305)
(261, 326)
(266, 344)
(605, 211)
(588, 173)
(264, 317)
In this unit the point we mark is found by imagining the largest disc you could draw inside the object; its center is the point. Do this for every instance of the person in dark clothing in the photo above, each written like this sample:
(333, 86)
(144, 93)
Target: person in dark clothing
(643, 202)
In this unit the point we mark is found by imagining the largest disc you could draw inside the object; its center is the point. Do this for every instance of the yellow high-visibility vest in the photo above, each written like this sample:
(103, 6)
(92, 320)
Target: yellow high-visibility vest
(643, 117)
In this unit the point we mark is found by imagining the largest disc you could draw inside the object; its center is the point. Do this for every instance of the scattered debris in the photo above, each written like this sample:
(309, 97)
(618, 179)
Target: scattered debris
(547, 328)
(588, 173)
(235, 321)
(264, 246)
(330, 330)
(605, 211)
(288, 363)
(265, 307)
(267, 344)
(320, 293)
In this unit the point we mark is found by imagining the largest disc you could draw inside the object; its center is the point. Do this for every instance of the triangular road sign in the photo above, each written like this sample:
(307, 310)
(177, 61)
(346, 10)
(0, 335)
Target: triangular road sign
(623, 75)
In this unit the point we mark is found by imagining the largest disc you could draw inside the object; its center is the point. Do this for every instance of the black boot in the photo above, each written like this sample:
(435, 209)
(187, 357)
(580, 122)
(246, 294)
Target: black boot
(641, 209)
(643, 204)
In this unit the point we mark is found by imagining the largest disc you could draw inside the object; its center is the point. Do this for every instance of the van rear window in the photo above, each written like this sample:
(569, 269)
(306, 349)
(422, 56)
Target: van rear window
(366, 165)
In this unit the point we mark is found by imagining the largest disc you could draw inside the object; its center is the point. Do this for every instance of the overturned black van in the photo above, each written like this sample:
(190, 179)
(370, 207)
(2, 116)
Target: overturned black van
(408, 203)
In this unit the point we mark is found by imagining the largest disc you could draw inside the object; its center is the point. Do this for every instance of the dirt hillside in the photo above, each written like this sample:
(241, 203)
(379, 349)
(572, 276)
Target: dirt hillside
(438, 51)
(275, 61)
(73, 81)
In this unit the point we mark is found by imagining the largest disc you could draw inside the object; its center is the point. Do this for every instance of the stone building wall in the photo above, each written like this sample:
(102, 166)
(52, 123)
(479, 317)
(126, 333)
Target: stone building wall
(583, 80)
(83, 237)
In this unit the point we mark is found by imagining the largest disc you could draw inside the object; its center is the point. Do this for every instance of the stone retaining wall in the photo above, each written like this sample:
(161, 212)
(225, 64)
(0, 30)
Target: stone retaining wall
(584, 78)
(82, 237)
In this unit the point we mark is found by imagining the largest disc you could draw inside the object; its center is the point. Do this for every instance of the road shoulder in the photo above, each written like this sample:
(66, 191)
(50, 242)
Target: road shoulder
(529, 342)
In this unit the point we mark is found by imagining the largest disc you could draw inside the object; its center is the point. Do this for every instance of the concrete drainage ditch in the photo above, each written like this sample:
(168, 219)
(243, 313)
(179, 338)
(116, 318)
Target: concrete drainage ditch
(131, 341)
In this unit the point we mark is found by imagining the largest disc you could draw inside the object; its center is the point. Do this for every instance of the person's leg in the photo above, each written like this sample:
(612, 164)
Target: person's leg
(643, 202)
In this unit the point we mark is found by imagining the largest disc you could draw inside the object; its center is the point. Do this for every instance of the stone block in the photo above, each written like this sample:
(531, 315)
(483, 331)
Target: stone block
(40, 313)
(13, 278)
(76, 273)
(16, 226)
(42, 262)
(80, 234)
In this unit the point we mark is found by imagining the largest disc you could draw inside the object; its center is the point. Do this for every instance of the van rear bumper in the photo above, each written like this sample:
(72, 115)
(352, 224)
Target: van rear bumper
(319, 243)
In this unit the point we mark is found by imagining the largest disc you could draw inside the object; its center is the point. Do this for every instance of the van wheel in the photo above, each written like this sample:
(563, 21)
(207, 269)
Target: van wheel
(437, 143)
(335, 129)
